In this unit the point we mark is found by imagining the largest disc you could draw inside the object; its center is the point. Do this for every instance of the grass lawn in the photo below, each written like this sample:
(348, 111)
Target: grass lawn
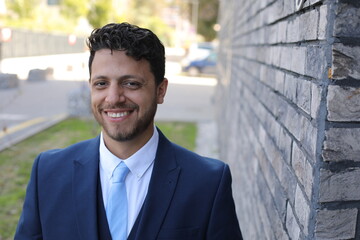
(16, 162)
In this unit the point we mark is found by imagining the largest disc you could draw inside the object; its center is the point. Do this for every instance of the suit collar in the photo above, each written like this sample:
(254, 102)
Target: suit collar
(85, 178)
(162, 186)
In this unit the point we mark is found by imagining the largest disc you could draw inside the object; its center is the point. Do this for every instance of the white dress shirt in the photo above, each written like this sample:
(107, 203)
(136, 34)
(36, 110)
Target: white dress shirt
(137, 181)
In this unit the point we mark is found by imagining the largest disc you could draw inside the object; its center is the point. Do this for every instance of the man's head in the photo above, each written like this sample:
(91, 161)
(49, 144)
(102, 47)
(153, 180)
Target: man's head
(138, 43)
(126, 82)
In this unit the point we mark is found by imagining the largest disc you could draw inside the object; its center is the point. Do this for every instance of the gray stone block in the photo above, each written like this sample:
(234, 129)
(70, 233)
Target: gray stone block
(285, 60)
(309, 138)
(347, 21)
(275, 220)
(342, 144)
(343, 104)
(291, 224)
(339, 186)
(346, 61)
(303, 170)
(290, 87)
(298, 56)
(279, 81)
(308, 25)
(288, 181)
(323, 22)
(316, 63)
(288, 8)
(303, 95)
(315, 100)
(281, 31)
(302, 209)
(336, 224)
(293, 30)
(285, 141)
(275, 55)
(8, 81)
(298, 91)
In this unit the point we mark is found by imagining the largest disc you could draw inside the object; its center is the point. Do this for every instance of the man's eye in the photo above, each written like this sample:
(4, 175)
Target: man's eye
(100, 84)
(131, 84)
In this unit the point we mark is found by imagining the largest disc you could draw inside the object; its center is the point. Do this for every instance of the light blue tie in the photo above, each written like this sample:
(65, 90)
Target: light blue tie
(117, 207)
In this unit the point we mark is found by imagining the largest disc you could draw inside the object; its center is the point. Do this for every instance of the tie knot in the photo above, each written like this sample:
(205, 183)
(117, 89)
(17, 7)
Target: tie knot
(120, 173)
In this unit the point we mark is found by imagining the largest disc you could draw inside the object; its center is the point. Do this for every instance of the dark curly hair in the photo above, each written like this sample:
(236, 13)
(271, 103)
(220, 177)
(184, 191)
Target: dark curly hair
(139, 43)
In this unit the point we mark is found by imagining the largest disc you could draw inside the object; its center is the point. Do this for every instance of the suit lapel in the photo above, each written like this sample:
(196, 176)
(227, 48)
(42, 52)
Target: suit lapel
(85, 179)
(161, 190)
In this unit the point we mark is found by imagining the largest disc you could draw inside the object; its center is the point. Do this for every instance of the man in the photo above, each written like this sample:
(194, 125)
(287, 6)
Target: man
(165, 191)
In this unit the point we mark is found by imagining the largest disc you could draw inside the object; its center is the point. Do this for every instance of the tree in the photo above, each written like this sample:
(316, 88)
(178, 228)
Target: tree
(23, 8)
(207, 17)
(100, 13)
(147, 14)
(74, 9)
(208, 13)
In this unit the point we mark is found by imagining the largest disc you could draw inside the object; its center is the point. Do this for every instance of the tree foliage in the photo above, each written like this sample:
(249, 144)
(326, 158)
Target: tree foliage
(74, 9)
(23, 8)
(147, 14)
(100, 13)
(208, 13)
(31, 14)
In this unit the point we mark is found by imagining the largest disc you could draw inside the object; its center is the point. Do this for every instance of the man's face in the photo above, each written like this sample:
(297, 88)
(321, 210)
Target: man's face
(124, 95)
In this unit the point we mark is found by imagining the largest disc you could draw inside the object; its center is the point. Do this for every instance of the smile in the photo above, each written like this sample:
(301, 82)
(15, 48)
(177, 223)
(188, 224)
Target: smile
(117, 115)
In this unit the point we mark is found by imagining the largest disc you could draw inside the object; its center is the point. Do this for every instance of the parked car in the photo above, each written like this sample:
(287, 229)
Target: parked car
(204, 65)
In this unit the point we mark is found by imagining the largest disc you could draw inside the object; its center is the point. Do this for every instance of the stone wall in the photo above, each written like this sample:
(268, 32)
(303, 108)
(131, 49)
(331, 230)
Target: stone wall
(289, 116)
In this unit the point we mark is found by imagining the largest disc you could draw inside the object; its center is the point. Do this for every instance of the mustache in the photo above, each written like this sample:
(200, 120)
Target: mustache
(118, 106)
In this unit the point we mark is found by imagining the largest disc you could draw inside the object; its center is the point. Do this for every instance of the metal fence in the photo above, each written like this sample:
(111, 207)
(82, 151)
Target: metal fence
(26, 43)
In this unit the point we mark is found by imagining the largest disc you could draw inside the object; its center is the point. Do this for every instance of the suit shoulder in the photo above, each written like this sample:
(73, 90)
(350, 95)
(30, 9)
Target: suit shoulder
(187, 157)
(199, 171)
(73, 150)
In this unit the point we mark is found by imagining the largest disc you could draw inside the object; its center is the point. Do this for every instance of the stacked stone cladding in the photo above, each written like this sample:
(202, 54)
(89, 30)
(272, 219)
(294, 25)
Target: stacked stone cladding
(289, 116)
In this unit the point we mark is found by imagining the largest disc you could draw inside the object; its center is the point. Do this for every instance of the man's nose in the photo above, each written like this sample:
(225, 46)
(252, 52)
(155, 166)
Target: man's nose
(115, 94)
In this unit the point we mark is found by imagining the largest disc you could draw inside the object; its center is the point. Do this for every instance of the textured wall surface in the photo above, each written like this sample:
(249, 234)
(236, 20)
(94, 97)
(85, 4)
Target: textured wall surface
(289, 116)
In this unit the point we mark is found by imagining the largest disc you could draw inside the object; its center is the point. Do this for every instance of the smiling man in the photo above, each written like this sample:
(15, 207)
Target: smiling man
(124, 100)
(130, 182)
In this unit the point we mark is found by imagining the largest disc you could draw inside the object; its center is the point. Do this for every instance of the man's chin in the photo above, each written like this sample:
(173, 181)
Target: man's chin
(122, 137)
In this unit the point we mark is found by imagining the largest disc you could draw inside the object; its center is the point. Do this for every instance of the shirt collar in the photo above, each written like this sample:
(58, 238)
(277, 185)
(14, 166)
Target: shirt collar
(137, 163)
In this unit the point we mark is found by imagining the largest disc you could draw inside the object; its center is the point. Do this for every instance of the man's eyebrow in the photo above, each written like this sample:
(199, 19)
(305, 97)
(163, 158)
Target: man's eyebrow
(121, 78)
(124, 77)
(99, 77)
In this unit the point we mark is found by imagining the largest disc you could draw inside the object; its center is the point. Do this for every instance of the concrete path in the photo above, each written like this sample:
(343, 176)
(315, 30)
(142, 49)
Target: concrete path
(33, 106)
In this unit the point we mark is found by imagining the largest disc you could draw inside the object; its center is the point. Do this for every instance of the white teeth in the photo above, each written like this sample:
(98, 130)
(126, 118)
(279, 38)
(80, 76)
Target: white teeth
(117, 115)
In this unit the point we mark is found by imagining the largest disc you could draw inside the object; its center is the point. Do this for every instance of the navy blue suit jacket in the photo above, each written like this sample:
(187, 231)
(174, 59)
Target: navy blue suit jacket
(189, 196)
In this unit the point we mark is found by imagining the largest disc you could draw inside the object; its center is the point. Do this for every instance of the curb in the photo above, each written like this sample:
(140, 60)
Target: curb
(8, 140)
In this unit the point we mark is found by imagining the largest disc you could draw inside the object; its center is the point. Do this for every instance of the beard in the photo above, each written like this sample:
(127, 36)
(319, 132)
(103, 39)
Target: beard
(132, 130)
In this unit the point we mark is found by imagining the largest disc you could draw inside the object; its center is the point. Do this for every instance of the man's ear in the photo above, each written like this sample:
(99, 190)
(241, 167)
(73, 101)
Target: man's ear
(161, 91)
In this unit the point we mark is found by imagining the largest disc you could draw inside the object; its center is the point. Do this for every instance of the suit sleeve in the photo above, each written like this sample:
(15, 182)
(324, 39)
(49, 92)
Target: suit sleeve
(29, 226)
(223, 223)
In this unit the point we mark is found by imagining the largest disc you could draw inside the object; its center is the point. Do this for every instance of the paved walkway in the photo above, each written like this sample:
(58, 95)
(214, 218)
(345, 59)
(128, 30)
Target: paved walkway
(33, 106)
